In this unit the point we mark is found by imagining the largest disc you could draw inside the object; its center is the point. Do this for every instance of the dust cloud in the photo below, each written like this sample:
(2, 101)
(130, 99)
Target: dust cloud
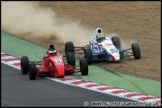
(27, 19)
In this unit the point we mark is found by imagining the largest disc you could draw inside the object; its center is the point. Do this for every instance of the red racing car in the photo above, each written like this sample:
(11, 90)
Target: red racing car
(53, 64)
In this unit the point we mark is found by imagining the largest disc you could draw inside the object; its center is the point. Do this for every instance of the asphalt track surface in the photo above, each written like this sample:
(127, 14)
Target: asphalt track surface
(17, 90)
(12, 45)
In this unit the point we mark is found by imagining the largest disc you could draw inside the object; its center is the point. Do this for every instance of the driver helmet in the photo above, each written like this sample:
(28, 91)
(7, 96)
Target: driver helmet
(52, 50)
(100, 37)
(98, 30)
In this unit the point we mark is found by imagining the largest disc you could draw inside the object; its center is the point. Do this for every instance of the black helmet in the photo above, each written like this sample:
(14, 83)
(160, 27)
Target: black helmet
(52, 50)
(51, 47)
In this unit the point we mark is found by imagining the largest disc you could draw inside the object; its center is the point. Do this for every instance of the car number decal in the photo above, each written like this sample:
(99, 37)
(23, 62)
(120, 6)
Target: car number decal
(58, 61)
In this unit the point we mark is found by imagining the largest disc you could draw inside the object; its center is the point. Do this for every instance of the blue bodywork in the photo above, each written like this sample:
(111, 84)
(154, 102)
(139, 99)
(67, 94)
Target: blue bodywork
(121, 52)
(104, 55)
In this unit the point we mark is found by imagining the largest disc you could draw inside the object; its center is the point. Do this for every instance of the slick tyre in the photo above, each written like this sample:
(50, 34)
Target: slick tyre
(71, 58)
(69, 47)
(24, 64)
(116, 41)
(88, 55)
(84, 66)
(32, 71)
(136, 50)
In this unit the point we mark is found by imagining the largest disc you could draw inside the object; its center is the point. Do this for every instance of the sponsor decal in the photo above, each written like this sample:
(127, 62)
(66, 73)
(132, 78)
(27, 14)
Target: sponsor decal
(58, 61)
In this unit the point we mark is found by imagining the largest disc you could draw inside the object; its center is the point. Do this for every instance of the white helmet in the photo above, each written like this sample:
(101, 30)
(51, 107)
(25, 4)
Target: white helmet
(99, 30)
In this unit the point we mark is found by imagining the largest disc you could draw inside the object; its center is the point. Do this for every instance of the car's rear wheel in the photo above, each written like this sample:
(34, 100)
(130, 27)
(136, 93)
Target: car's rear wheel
(116, 41)
(83, 66)
(69, 47)
(88, 55)
(136, 50)
(24, 64)
(71, 58)
(32, 71)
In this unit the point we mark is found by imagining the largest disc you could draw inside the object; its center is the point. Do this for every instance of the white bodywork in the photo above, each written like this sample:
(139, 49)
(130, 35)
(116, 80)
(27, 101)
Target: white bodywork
(106, 45)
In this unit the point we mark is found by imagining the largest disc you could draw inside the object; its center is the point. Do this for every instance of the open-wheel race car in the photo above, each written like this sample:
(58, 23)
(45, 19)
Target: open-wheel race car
(105, 49)
(53, 64)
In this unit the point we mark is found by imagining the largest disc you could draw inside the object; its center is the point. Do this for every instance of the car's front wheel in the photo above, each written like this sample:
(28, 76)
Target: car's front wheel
(136, 50)
(69, 47)
(88, 55)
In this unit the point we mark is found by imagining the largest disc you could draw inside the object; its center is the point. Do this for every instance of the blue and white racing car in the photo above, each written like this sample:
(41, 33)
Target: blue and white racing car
(106, 49)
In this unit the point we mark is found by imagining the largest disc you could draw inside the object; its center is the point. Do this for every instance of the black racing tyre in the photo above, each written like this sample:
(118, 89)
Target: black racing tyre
(32, 71)
(71, 59)
(69, 47)
(84, 66)
(116, 41)
(24, 64)
(136, 50)
(88, 55)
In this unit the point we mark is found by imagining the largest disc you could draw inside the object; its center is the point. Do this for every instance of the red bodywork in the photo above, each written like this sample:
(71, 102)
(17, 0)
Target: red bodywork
(54, 65)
